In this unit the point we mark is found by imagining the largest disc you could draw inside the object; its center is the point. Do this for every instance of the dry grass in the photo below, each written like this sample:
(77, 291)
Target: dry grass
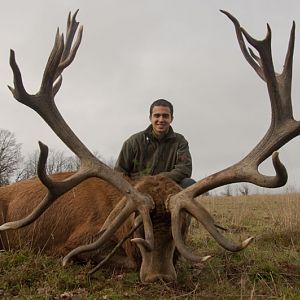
(268, 269)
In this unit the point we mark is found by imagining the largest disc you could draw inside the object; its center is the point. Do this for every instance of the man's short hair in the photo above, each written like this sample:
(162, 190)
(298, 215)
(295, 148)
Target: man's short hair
(162, 102)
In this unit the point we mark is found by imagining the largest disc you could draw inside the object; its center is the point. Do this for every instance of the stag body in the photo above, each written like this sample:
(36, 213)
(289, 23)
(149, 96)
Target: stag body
(78, 216)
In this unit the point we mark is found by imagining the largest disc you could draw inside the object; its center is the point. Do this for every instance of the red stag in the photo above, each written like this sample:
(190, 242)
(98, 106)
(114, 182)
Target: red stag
(98, 207)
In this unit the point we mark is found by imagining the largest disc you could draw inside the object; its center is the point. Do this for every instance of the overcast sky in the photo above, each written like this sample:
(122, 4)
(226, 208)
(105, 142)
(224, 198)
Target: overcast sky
(136, 51)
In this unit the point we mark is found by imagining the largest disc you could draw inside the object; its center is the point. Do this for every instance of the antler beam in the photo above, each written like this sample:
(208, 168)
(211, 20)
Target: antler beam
(282, 129)
(62, 55)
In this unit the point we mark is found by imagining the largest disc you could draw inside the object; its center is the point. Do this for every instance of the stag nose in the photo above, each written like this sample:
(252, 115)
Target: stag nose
(157, 269)
(159, 277)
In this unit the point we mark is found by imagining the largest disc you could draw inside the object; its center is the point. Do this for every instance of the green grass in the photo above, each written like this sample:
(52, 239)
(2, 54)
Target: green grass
(268, 269)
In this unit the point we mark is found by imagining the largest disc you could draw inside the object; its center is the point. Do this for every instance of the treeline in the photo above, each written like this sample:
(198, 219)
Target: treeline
(14, 166)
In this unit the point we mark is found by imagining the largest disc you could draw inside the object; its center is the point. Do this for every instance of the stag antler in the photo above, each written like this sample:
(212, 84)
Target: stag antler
(282, 129)
(62, 55)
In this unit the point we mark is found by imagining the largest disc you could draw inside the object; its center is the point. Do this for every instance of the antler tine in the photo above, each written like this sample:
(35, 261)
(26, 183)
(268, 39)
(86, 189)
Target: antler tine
(288, 64)
(117, 216)
(285, 78)
(43, 102)
(265, 68)
(69, 51)
(51, 68)
(115, 224)
(194, 208)
(243, 47)
(62, 55)
(72, 26)
(282, 129)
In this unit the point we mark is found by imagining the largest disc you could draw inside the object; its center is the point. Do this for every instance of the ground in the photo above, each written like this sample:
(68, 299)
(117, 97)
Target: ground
(268, 269)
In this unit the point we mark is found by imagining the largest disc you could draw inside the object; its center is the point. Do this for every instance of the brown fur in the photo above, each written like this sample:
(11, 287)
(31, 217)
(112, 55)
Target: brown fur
(76, 217)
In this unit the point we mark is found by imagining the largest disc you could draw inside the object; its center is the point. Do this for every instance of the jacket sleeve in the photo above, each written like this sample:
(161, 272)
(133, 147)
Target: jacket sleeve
(183, 165)
(124, 162)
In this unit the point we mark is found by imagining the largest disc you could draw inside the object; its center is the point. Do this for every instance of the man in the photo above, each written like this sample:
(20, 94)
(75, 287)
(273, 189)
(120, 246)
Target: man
(158, 149)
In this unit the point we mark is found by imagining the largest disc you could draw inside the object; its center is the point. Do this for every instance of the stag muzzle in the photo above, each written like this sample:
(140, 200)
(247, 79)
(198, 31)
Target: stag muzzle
(157, 265)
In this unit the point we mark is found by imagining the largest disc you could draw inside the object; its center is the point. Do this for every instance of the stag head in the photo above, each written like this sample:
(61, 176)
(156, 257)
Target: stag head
(282, 129)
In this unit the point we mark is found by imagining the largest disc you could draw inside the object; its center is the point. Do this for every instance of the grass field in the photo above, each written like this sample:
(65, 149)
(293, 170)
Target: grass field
(268, 269)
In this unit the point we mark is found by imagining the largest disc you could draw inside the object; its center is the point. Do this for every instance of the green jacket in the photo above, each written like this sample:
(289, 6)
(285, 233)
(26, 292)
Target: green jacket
(143, 154)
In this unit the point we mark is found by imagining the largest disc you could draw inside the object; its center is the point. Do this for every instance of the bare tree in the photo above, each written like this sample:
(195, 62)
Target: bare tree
(10, 156)
(29, 167)
(244, 189)
(227, 191)
(57, 162)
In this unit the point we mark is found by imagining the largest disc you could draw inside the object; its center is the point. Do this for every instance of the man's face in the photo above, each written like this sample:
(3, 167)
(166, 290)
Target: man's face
(161, 119)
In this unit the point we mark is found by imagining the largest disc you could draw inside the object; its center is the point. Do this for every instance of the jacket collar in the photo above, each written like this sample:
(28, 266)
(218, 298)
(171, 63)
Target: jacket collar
(149, 133)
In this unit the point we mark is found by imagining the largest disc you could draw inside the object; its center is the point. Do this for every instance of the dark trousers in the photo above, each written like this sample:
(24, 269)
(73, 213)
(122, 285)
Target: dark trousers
(186, 182)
